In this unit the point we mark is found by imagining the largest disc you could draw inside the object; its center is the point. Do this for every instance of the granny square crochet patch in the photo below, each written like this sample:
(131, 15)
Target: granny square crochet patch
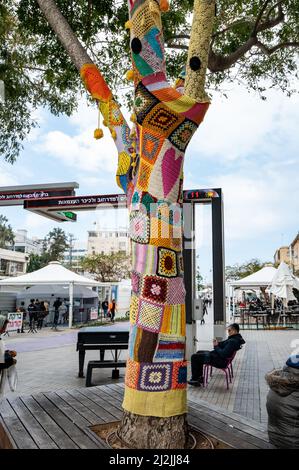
(162, 120)
(139, 227)
(167, 264)
(155, 377)
(143, 103)
(181, 136)
(149, 315)
(154, 288)
(151, 145)
(144, 174)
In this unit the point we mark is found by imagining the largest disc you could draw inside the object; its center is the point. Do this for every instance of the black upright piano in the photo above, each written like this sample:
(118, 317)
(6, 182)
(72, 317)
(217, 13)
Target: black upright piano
(101, 338)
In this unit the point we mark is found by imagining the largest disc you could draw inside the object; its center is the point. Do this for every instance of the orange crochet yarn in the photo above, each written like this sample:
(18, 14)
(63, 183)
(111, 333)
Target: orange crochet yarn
(95, 83)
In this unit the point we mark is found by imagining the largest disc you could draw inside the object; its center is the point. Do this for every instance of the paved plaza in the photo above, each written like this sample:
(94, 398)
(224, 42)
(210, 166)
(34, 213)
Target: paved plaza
(48, 361)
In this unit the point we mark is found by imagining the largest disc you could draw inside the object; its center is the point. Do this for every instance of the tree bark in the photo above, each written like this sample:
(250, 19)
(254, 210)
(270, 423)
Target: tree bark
(149, 432)
(64, 33)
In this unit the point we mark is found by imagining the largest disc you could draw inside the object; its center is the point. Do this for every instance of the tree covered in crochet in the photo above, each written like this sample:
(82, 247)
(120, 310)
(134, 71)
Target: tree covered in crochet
(254, 43)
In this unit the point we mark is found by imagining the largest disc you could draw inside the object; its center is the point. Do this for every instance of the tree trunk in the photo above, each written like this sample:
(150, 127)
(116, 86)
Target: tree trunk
(149, 432)
(150, 171)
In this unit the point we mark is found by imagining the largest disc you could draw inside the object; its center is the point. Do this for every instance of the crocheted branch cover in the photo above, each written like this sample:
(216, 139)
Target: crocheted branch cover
(150, 171)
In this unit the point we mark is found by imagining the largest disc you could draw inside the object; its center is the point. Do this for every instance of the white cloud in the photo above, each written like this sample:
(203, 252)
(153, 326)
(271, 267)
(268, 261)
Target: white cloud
(235, 128)
(81, 152)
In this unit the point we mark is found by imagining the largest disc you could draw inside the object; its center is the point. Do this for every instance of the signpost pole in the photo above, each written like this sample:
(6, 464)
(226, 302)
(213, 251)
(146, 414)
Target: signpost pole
(71, 297)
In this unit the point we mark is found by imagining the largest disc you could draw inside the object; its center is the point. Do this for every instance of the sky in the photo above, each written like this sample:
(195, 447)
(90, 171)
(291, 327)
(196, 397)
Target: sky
(246, 146)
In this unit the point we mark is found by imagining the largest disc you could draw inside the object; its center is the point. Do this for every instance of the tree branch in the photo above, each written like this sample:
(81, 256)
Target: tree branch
(65, 34)
(259, 17)
(199, 46)
(270, 50)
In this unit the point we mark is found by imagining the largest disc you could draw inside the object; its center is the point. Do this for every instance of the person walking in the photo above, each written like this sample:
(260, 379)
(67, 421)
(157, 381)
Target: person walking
(62, 310)
(32, 316)
(105, 307)
(112, 310)
(56, 306)
(22, 310)
(41, 315)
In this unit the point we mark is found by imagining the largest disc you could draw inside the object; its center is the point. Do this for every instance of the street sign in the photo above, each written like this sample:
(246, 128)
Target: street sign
(16, 195)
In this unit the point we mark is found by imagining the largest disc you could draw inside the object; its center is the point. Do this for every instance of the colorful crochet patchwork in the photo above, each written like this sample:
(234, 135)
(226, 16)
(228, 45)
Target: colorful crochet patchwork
(147, 343)
(134, 308)
(149, 315)
(174, 320)
(144, 258)
(167, 263)
(139, 227)
(176, 291)
(136, 282)
(155, 377)
(170, 348)
(151, 170)
(154, 288)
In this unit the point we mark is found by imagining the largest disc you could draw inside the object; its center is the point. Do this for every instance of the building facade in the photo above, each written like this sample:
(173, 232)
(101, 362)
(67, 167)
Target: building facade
(290, 255)
(12, 263)
(73, 255)
(294, 254)
(282, 254)
(24, 244)
(107, 241)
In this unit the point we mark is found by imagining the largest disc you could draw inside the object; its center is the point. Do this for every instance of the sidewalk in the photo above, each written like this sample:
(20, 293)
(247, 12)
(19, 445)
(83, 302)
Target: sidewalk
(48, 361)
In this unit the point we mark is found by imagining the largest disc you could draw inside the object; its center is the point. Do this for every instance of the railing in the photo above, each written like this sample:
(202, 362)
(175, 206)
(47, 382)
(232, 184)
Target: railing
(267, 319)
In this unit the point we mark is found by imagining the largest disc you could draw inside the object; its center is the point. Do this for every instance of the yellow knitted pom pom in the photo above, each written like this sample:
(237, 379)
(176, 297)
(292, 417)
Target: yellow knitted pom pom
(113, 134)
(105, 123)
(133, 118)
(98, 133)
(130, 75)
(164, 5)
(128, 24)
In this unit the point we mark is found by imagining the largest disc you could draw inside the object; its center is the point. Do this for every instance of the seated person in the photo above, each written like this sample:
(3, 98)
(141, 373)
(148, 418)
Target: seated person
(283, 405)
(219, 357)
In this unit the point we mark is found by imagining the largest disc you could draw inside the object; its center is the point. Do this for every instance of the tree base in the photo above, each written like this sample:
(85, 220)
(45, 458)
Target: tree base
(149, 432)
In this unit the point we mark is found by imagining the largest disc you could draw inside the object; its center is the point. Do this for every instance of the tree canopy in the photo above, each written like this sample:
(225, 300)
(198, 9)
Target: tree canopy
(238, 271)
(254, 43)
(107, 268)
(54, 246)
(6, 233)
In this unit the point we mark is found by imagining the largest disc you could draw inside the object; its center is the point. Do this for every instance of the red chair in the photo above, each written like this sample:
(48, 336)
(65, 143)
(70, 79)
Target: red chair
(228, 370)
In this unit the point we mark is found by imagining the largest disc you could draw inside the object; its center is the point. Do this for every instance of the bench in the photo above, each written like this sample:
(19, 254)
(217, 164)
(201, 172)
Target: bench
(103, 364)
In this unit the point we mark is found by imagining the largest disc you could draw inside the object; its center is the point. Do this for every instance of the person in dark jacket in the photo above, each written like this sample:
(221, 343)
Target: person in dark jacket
(283, 405)
(219, 357)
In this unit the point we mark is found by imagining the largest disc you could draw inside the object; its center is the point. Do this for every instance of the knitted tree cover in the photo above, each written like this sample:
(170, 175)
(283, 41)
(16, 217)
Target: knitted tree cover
(150, 171)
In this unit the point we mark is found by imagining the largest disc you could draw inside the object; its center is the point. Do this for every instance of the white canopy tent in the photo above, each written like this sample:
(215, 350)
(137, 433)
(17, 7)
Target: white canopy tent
(283, 283)
(53, 274)
(257, 280)
(60, 291)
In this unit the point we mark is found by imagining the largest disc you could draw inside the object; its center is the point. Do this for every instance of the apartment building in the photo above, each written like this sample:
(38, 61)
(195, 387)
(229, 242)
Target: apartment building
(12, 263)
(106, 241)
(289, 254)
(24, 244)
